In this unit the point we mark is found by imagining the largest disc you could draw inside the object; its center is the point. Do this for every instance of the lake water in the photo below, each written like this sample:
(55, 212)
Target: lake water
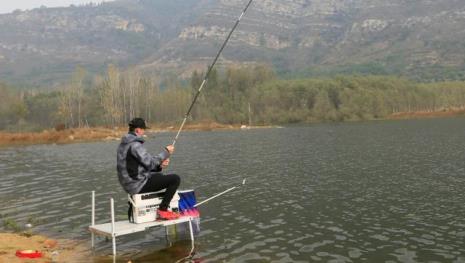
(387, 191)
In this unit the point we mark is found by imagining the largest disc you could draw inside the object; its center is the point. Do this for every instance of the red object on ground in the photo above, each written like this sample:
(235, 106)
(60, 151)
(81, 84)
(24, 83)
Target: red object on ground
(28, 254)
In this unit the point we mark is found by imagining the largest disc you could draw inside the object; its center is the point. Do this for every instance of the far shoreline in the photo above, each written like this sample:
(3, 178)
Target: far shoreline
(92, 134)
(427, 114)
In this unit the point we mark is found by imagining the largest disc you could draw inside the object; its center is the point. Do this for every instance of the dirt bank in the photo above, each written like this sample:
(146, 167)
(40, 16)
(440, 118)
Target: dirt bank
(52, 250)
(92, 134)
(427, 114)
(64, 136)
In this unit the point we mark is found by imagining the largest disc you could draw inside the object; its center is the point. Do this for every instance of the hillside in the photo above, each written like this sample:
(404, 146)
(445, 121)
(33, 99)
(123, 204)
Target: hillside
(44, 46)
(421, 39)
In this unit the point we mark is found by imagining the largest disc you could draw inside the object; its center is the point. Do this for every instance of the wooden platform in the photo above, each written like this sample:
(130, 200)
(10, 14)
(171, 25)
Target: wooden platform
(114, 229)
(125, 227)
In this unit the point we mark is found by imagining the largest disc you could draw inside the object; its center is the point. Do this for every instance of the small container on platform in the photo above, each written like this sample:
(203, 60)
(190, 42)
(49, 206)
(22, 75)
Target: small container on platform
(144, 206)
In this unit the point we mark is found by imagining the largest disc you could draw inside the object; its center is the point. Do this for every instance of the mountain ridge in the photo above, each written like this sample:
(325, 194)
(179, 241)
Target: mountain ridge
(422, 39)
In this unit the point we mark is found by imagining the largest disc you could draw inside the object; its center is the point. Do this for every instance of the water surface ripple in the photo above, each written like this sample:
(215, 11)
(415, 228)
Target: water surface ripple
(355, 192)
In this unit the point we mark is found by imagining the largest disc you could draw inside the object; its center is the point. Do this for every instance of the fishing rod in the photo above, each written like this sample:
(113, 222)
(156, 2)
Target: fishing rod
(205, 79)
(220, 194)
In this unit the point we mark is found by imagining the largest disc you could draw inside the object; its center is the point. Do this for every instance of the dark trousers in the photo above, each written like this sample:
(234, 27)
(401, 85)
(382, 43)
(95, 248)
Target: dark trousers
(157, 182)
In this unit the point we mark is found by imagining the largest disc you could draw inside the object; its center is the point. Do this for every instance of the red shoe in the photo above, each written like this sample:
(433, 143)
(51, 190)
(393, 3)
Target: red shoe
(166, 215)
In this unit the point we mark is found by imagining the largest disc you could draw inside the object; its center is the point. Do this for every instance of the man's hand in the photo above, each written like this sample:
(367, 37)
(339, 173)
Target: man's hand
(170, 149)
(165, 163)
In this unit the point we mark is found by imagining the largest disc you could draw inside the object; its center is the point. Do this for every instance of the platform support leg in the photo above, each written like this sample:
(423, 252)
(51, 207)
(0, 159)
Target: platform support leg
(167, 235)
(113, 241)
(113, 237)
(192, 236)
(93, 219)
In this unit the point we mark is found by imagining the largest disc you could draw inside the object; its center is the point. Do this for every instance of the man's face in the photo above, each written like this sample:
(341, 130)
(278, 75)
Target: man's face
(139, 131)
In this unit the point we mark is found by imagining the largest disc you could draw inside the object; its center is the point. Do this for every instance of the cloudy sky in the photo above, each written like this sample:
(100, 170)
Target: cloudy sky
(9, 6)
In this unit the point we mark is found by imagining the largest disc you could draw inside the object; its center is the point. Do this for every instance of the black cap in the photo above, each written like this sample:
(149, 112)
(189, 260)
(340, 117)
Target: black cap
(138, 123)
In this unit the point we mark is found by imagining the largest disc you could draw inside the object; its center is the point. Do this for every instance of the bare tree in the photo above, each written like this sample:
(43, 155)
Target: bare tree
(109, 94)
(78, 93)
(65, 109)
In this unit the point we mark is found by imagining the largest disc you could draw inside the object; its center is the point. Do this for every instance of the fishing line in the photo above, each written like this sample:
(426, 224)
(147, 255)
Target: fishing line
(205, 79)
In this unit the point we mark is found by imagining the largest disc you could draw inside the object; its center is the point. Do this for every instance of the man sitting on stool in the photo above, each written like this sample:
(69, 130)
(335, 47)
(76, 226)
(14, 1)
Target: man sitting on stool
(139, 172)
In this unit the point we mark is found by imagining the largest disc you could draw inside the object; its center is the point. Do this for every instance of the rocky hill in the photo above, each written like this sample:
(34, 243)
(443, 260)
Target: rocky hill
(423, 39)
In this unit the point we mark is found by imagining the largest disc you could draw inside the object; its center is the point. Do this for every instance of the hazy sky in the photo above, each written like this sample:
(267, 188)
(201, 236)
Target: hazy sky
(7, 6)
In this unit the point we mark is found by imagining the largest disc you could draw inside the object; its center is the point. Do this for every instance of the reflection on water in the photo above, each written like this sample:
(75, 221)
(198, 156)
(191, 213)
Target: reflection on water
(171, 252)
(374, 192)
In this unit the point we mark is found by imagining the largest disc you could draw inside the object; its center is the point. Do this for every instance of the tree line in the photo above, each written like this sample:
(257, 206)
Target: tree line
(346, 98)
(235, 95)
